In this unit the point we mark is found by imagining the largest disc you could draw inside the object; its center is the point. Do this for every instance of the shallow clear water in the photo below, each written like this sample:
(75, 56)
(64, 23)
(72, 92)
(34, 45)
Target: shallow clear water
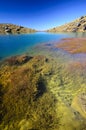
(18, 44)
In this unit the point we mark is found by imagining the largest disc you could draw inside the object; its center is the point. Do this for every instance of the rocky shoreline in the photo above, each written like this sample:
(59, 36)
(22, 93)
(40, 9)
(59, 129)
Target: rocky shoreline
(14, 29)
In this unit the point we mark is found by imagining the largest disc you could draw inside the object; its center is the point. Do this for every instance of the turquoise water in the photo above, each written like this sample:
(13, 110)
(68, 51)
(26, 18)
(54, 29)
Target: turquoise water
(19, 44)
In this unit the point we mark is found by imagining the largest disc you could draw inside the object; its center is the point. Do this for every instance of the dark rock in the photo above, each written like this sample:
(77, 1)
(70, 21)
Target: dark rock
(18, 29)
(84, 28)
(78, 24)
(8, 30)
(81, 17)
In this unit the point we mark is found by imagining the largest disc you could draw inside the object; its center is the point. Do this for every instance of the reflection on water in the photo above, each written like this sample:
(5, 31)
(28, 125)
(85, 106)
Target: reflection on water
(81, 34)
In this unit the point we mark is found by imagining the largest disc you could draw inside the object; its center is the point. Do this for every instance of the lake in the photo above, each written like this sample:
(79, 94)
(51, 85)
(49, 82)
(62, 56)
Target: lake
(48, 87)
(18, 44)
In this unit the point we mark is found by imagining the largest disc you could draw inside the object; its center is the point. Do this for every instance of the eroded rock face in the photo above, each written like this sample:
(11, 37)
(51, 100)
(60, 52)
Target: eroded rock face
(75, 26)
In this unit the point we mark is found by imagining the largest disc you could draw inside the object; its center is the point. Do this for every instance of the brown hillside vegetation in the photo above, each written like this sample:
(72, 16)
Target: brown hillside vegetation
(78, 25)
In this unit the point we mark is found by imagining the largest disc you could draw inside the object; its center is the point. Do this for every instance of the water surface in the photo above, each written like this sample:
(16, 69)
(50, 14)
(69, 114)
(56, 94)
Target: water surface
(19, 44)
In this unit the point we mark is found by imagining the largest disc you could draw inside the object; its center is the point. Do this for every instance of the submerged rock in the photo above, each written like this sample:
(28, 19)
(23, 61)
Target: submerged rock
(18, 60)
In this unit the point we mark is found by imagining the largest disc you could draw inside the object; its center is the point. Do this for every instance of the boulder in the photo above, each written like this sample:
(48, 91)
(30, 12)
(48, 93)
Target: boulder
(18, 29)
(8, 30)
(81, 17)
(78, 24)
(84, 27)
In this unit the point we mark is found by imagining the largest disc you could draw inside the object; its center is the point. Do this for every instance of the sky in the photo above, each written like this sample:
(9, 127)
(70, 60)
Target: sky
(41, 14)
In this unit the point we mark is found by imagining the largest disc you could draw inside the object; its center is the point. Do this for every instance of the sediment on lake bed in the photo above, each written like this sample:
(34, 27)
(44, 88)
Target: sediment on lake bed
(73, 45)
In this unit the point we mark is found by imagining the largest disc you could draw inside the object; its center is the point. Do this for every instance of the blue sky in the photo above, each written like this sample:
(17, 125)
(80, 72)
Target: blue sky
(41, 14)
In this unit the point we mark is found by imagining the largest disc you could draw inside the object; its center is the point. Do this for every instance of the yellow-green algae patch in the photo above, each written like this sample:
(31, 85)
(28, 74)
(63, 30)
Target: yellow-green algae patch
(25, 101)
(66, 83)
(38, 93)
(73, 45)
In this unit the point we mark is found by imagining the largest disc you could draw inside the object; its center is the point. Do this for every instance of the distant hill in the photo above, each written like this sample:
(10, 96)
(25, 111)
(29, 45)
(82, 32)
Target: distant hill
(14, 29)
(78, 25)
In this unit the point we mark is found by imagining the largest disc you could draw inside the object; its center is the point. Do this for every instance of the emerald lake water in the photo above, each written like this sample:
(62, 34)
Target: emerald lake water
(18, 44)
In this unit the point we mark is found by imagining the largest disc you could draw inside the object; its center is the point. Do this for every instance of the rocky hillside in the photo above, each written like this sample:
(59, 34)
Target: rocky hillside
(14, 29)
(78, 25)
